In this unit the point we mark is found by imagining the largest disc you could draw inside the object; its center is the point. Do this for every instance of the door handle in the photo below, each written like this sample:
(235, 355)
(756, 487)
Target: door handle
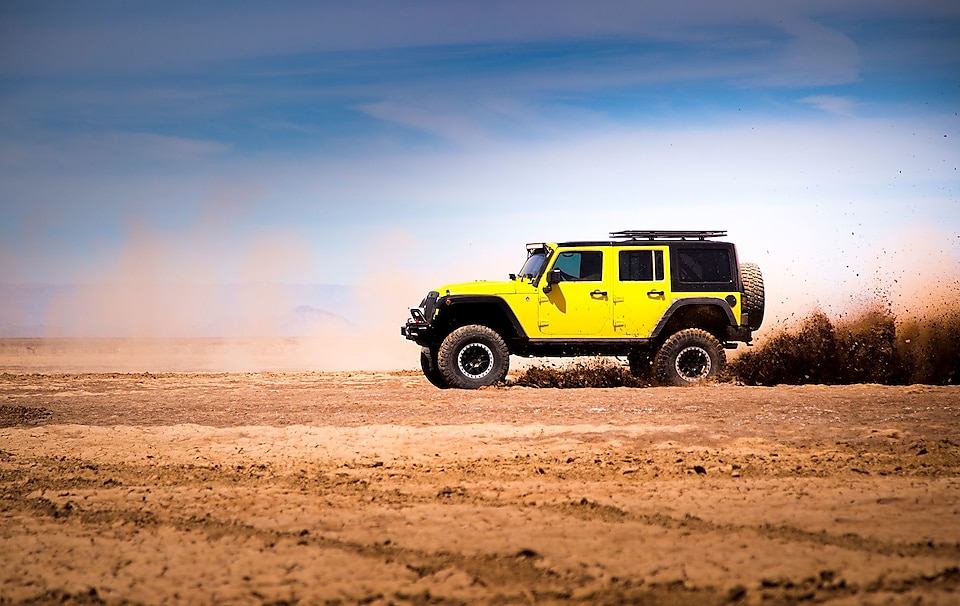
(655, 293)
(598, 293)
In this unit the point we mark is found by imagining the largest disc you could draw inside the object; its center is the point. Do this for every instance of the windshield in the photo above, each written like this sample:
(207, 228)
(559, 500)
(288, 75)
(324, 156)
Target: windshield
(535, 260)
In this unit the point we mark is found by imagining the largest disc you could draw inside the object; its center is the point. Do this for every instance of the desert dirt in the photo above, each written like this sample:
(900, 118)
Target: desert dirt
(375, 487)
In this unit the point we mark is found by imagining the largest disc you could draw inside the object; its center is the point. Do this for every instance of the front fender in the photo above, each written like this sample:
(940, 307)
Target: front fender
(489, 310)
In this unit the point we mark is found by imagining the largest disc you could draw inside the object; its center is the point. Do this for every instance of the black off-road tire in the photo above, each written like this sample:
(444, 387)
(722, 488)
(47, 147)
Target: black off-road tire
(473, 356)
(689, 357)
(428, 364)
(752, 295)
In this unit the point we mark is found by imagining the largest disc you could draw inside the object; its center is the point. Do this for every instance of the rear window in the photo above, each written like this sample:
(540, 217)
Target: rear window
(698, 265)
(641, 265)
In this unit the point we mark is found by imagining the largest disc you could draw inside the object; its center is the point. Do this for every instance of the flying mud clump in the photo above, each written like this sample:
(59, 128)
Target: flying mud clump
(873, 347)
(596, 372)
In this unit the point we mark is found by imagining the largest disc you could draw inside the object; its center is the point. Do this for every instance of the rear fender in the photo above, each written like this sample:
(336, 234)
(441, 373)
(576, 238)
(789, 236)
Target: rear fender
(709, 313)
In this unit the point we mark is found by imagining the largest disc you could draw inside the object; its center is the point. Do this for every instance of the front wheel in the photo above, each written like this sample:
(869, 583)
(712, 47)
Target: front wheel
(689, 357)
(473, 356)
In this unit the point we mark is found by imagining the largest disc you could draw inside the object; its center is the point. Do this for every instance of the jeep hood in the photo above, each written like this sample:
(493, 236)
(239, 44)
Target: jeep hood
(479, 288)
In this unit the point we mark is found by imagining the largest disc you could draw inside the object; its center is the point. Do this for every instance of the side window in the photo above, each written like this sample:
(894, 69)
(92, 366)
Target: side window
(641, 265)
(704, 265)
(580, 266)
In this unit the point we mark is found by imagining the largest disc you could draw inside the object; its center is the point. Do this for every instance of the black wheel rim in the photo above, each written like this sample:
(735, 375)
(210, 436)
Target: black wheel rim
(693, 363)
(475, 360)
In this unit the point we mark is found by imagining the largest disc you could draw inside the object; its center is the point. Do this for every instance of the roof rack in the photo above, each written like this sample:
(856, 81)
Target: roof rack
(639, 234)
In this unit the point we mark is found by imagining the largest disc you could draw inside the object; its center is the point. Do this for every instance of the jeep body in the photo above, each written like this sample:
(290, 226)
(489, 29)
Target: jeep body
(631, 295)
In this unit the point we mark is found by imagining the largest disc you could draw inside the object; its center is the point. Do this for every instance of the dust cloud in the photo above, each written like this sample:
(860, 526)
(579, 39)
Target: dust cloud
(912, 270)
(206, 300)
(172, 285)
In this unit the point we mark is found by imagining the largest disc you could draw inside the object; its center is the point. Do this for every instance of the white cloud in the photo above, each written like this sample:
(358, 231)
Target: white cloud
(832, 104)
(815, 55)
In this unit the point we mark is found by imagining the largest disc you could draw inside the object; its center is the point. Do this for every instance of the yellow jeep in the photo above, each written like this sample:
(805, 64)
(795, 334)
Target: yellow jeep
(670, 301)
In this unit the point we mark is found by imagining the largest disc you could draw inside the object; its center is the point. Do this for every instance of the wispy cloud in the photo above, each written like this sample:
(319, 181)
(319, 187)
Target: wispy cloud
(108, 151)
(151, 144)
(832, 104)
(448, 126)
(110, 35)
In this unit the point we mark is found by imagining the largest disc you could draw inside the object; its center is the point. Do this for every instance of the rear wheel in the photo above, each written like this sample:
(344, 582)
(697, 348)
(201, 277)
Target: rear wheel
(689, 357)
(473, 356)
(428, 364)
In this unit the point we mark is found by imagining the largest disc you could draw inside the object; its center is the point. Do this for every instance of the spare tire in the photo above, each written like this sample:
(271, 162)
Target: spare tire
(752, 294)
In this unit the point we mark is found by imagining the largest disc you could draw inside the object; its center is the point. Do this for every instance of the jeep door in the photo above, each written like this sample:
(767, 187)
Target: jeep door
(641, 291)
(579, 305)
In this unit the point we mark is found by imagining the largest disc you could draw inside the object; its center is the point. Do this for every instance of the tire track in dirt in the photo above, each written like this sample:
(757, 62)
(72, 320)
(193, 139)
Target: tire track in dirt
(501, 570)
(588, 510)
(519, 570)
(516, 571)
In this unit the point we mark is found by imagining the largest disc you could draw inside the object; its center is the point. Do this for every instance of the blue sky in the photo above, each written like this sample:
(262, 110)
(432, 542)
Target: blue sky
(147, 144)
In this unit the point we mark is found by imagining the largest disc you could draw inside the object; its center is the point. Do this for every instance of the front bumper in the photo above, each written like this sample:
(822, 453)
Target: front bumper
(417, 329)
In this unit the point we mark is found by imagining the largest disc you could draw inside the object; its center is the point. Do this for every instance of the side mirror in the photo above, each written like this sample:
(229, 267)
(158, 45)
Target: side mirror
(553, 277)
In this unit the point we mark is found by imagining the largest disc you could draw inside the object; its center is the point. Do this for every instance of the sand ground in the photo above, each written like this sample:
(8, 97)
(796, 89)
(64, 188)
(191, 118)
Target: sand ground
(366, 487)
